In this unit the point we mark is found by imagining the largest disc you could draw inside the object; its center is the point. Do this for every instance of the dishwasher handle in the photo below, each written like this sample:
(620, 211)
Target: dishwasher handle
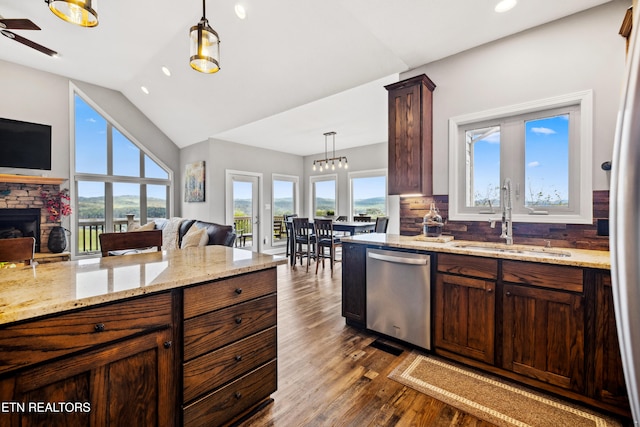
(399, 259)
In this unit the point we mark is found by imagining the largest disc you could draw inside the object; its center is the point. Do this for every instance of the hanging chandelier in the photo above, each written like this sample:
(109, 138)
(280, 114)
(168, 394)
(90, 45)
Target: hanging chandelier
(323, 164)
(205, 46)
(79, 12)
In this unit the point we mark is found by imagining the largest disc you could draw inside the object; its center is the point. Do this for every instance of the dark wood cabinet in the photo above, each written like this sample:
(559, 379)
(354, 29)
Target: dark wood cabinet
(230, 347)
(543, 323)
(464, 307)
(410, 136)
(608, 374)
(129, 382)
(543, 335)
(354, 284)
(465, 316)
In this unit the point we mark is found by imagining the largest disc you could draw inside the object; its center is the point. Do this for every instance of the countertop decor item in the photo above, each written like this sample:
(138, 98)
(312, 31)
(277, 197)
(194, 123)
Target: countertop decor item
(432, 222)
(57, 204)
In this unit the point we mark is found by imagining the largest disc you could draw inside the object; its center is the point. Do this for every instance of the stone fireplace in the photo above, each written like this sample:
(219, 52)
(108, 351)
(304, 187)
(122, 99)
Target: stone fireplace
(20, 223)
(22, 211)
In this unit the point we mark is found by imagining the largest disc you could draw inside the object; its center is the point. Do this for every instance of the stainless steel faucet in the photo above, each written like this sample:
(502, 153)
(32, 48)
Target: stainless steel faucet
(507, 227)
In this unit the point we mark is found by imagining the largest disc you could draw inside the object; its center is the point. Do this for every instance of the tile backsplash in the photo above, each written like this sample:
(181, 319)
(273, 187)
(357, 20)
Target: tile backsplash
(579, 236)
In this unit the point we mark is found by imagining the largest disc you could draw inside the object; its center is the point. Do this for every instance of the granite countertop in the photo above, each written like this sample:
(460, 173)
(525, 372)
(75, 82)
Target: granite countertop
(28, 292)
(576, 257)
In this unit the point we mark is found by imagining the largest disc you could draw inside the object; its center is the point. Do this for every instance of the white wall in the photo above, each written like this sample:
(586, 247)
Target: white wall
(222, 155)
(34, 96)
(583, 51)
(368, 157)
(40, 97)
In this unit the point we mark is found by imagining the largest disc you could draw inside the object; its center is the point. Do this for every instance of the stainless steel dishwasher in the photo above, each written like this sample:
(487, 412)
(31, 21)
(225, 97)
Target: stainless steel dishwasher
(398, 295)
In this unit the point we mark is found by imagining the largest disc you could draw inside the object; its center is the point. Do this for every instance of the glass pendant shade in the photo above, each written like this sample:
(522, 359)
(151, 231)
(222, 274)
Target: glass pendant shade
(79, 12)
(205, 48)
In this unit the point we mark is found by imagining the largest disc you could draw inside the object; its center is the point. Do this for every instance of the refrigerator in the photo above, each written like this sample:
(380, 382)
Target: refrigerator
(625, 223)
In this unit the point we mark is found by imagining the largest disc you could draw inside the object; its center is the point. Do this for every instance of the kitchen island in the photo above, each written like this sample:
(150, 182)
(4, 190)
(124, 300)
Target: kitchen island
(541, 316)
(164, 338)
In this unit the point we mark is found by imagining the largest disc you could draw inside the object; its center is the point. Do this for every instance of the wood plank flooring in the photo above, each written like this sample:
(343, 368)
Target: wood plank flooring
(329, 375)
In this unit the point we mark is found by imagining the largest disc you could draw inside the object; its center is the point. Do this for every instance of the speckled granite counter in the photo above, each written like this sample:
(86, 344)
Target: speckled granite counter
(576, 257)
(29, 292)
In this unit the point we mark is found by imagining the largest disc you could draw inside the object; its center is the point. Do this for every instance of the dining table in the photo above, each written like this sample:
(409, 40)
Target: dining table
(351, 227)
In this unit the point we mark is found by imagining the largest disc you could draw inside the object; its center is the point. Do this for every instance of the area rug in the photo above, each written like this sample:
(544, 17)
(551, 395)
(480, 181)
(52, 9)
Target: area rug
(490, 398)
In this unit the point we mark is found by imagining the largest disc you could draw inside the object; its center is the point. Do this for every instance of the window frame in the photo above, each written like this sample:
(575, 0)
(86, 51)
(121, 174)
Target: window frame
(296, 198)
(312, 191)
(372, 173)
(580, 161)
(109, 179)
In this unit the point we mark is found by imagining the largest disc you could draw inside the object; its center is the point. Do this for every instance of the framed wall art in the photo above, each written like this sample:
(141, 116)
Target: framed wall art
(194, 178)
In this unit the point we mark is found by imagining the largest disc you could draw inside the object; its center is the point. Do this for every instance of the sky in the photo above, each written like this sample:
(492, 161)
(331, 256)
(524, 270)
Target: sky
(546, 158)
(91, 156)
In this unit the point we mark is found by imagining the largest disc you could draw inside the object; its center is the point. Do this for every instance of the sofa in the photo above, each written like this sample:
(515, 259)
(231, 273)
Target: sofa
(218, 234)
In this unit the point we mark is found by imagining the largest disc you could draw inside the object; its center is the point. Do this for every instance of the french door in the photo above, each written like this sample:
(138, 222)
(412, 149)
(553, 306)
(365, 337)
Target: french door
(243, 208)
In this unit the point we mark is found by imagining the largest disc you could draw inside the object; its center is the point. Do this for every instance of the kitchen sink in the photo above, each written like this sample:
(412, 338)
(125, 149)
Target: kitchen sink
(514, 249)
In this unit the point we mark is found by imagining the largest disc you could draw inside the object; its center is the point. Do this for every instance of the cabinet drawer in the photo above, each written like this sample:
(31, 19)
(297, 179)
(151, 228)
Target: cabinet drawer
(215, 295)
(486, 268)
(233, 399)
(214, 369)
(545, 275)
(213, 330)
(32, 342)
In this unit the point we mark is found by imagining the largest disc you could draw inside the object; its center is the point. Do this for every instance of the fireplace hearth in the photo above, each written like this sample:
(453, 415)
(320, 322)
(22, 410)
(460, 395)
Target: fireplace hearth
(20, 223)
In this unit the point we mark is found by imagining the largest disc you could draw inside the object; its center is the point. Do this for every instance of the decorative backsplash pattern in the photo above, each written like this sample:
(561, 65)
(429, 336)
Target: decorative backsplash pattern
(578, 236)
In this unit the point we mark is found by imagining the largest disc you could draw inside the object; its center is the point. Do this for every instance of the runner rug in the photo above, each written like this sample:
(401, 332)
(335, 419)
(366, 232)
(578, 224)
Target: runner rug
(490, 398)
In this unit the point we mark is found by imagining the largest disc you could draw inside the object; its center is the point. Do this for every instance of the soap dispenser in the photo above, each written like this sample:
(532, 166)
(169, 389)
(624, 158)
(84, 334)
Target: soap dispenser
(432, 222)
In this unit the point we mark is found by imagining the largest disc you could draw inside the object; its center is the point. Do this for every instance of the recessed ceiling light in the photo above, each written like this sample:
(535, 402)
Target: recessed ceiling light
(241, 12)
(166, 71)
(505, 5)
(144, 89)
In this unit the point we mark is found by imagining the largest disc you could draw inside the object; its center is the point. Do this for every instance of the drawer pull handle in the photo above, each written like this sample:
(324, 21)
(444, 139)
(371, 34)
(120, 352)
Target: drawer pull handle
(238, 395)
(490, 290)
(238, 358)
(99, 327)
(508, 294)
(238, 320)
(238, 291)
(167, 344)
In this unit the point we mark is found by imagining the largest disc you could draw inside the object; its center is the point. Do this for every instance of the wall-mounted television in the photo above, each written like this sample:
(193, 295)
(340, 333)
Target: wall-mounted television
(25, 145)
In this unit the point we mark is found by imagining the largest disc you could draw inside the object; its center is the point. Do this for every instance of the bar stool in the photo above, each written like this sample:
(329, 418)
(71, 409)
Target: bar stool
(326, 239)
(303, 235)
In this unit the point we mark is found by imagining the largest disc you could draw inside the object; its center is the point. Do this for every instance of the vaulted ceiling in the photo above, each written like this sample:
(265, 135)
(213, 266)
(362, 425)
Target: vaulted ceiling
(290, 71)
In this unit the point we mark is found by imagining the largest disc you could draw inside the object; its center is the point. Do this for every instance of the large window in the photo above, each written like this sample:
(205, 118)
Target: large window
(284, 202)
(543, 147)
(114, 177)
(324, 195)
(368, 195)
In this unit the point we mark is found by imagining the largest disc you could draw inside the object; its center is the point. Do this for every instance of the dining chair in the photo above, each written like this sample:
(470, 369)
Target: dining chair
(382, 222)
(19, 249)
(325, 239)
(341, 218)
(361, 218)
(129, 242)
(303, 234)
(288, 227)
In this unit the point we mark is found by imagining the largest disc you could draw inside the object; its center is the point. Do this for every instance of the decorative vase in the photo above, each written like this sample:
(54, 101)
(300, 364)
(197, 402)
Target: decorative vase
(432, 222)
(57, 240)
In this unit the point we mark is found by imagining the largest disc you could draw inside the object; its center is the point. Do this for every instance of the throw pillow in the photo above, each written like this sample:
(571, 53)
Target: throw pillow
(148, 226)
(195, 237)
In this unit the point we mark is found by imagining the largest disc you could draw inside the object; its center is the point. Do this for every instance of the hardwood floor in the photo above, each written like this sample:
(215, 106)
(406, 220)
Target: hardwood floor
(329, 375)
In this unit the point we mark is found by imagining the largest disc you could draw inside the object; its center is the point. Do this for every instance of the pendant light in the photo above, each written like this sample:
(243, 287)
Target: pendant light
(79, 12)
(205, 46)
(323, 164)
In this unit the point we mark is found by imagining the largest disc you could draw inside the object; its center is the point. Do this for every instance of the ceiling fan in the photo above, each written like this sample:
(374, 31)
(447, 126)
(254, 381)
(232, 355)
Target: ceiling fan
(23, 24)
